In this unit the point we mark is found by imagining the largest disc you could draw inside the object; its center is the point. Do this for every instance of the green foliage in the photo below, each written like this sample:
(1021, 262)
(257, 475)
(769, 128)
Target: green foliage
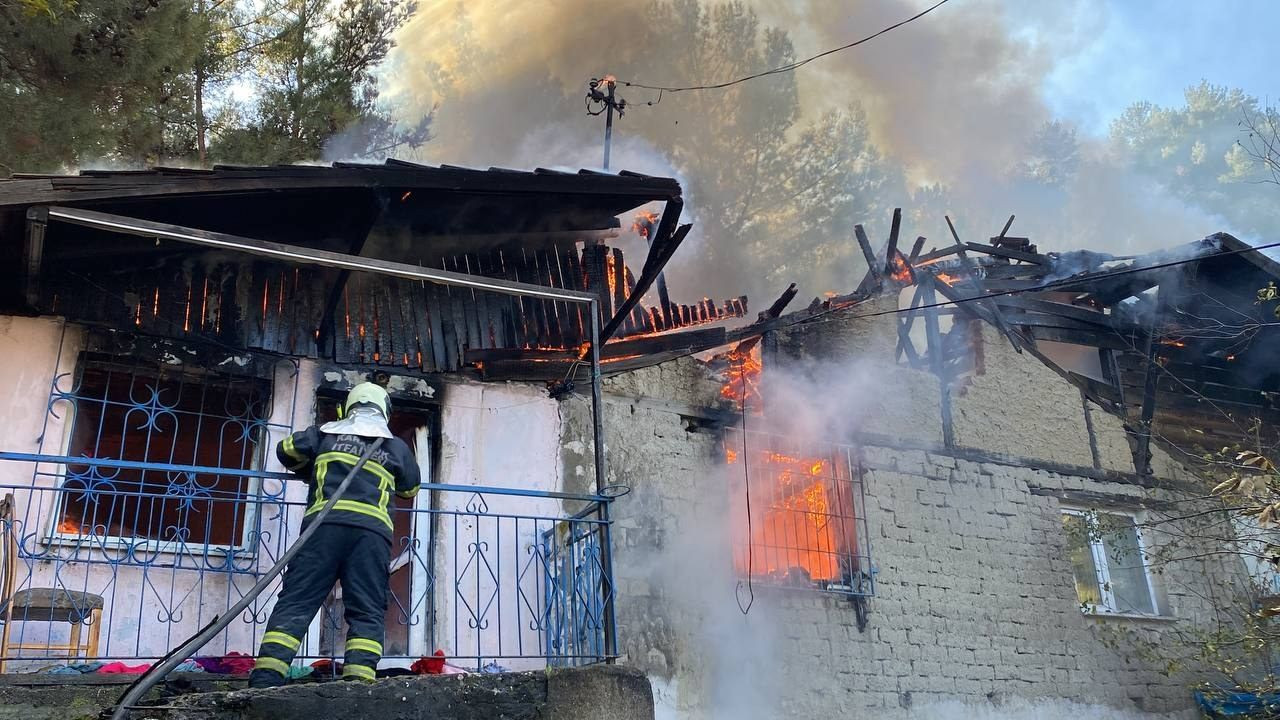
(1196, 152)
(100, 79)
(136, 82)
(318, 83)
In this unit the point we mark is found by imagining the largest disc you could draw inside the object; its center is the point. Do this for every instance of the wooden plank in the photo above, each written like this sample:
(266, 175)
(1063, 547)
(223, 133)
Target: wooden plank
(1049, 307)
(1035, 258)
(892, 249)
(416, 309)
(571, 273)
(937, 254)
(255, 290)
(538, 308)
(1014, 339)
(486, 333)
(936, 359)
(593, 258)
(915, 250)
(1079, 337)
(462, 327)
(905, 344)
(342, 346)
(1005, 271)
(449, 329)
(873, 265)
(464, 307)
(553, 309)
(435, 320)
(513, 307)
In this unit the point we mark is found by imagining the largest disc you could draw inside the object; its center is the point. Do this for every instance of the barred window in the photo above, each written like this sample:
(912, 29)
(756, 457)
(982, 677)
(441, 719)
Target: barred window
(163, 415)
(805, 526)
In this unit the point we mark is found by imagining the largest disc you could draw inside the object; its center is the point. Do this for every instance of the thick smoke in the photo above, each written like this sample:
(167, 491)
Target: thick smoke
(952, 99)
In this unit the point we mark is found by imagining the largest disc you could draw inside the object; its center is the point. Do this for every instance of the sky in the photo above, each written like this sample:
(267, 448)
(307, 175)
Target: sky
(1153, 50)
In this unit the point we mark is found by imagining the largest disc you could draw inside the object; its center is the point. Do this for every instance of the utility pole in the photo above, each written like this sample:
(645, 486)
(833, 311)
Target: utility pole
(601, 99)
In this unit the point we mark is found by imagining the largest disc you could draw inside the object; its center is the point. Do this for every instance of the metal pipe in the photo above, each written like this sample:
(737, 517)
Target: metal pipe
(307, 256)
(606, 536)
(179, 654)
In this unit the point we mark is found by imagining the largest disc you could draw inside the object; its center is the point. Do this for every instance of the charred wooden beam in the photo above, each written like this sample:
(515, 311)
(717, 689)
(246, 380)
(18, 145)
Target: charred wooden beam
(873, 278)
(915, 249)
(1003, 252)
(771, 313)
(1080, 337)
(511, 362)
(33, 254)
(936, 358)
(892, 249)
(1015, 340)
(1142, 452)
(665, 245)
(1049, 307)
(937, 254)
(905, 344)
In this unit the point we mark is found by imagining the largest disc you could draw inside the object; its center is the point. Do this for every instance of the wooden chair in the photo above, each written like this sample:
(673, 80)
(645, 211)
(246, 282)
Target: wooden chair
(42, 604)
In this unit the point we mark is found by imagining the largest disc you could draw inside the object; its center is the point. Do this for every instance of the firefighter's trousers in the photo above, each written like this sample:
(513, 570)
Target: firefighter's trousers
(357, 558)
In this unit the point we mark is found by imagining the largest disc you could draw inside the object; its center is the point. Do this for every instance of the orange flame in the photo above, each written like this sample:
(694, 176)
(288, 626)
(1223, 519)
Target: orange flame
(796, 533)
(947, 278)
(69, 527)
(643, 223)
(901, 270)
(610, 264)
(742, 378)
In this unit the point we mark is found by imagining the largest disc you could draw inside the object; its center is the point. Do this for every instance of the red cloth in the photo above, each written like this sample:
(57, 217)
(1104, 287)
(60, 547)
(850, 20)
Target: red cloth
(238, 663)
(329, 667)
(119, 668)
(433, 665)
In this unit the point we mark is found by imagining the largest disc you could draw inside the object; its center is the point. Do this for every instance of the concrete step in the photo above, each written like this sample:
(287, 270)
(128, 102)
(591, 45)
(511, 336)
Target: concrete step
(604, 692)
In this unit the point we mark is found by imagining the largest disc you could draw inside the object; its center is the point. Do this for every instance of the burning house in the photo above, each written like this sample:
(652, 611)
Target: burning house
(872, 501)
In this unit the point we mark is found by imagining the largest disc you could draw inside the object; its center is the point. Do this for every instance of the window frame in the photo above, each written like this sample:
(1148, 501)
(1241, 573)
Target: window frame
(248, 538)
(1102, 566)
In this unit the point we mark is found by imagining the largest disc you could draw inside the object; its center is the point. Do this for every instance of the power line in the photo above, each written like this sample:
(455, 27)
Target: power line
(790, 66)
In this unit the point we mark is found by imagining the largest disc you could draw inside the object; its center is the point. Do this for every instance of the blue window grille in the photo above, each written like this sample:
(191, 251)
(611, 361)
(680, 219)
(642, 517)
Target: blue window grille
(159, 416)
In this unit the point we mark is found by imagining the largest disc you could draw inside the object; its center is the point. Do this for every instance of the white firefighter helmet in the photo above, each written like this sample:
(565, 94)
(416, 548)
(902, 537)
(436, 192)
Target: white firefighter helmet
(367, 393)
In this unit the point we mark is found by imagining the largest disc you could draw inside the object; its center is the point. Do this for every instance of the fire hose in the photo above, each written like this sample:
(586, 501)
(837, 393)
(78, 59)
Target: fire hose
(178, 655)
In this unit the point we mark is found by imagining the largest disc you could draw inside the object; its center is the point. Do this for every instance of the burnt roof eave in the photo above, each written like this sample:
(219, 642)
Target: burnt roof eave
(28, 190)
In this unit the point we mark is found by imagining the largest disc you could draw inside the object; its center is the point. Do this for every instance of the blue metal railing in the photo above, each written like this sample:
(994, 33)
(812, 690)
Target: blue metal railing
(487, 574)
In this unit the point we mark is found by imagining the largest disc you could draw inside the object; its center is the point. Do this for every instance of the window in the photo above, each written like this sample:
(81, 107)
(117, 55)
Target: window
(804, 522)
(1109, 562)
(161, 414)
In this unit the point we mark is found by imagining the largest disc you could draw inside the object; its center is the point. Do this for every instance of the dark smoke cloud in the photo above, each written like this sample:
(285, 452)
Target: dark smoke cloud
(954, 99)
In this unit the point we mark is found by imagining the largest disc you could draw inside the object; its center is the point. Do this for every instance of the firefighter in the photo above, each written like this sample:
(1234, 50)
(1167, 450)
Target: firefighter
(351, 546)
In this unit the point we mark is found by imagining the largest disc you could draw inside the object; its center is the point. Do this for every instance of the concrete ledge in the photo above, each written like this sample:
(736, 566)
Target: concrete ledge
(606, 692)
(83, 697)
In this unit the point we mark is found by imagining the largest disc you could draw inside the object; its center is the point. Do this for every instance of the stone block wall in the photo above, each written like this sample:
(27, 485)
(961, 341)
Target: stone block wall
(975, 599)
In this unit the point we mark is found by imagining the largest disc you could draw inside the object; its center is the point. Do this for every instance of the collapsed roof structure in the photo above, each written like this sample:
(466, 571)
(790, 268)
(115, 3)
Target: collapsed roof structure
(1172, 341)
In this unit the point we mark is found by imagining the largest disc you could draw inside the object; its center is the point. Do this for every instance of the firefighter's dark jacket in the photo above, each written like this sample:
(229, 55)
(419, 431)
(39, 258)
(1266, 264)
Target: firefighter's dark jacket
(324, 460)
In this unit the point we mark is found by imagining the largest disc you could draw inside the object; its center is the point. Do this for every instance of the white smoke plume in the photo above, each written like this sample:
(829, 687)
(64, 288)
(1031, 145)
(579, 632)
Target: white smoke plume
(952, 99)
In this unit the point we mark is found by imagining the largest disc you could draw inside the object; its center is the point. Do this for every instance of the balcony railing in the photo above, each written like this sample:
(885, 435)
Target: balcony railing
(487, 574)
